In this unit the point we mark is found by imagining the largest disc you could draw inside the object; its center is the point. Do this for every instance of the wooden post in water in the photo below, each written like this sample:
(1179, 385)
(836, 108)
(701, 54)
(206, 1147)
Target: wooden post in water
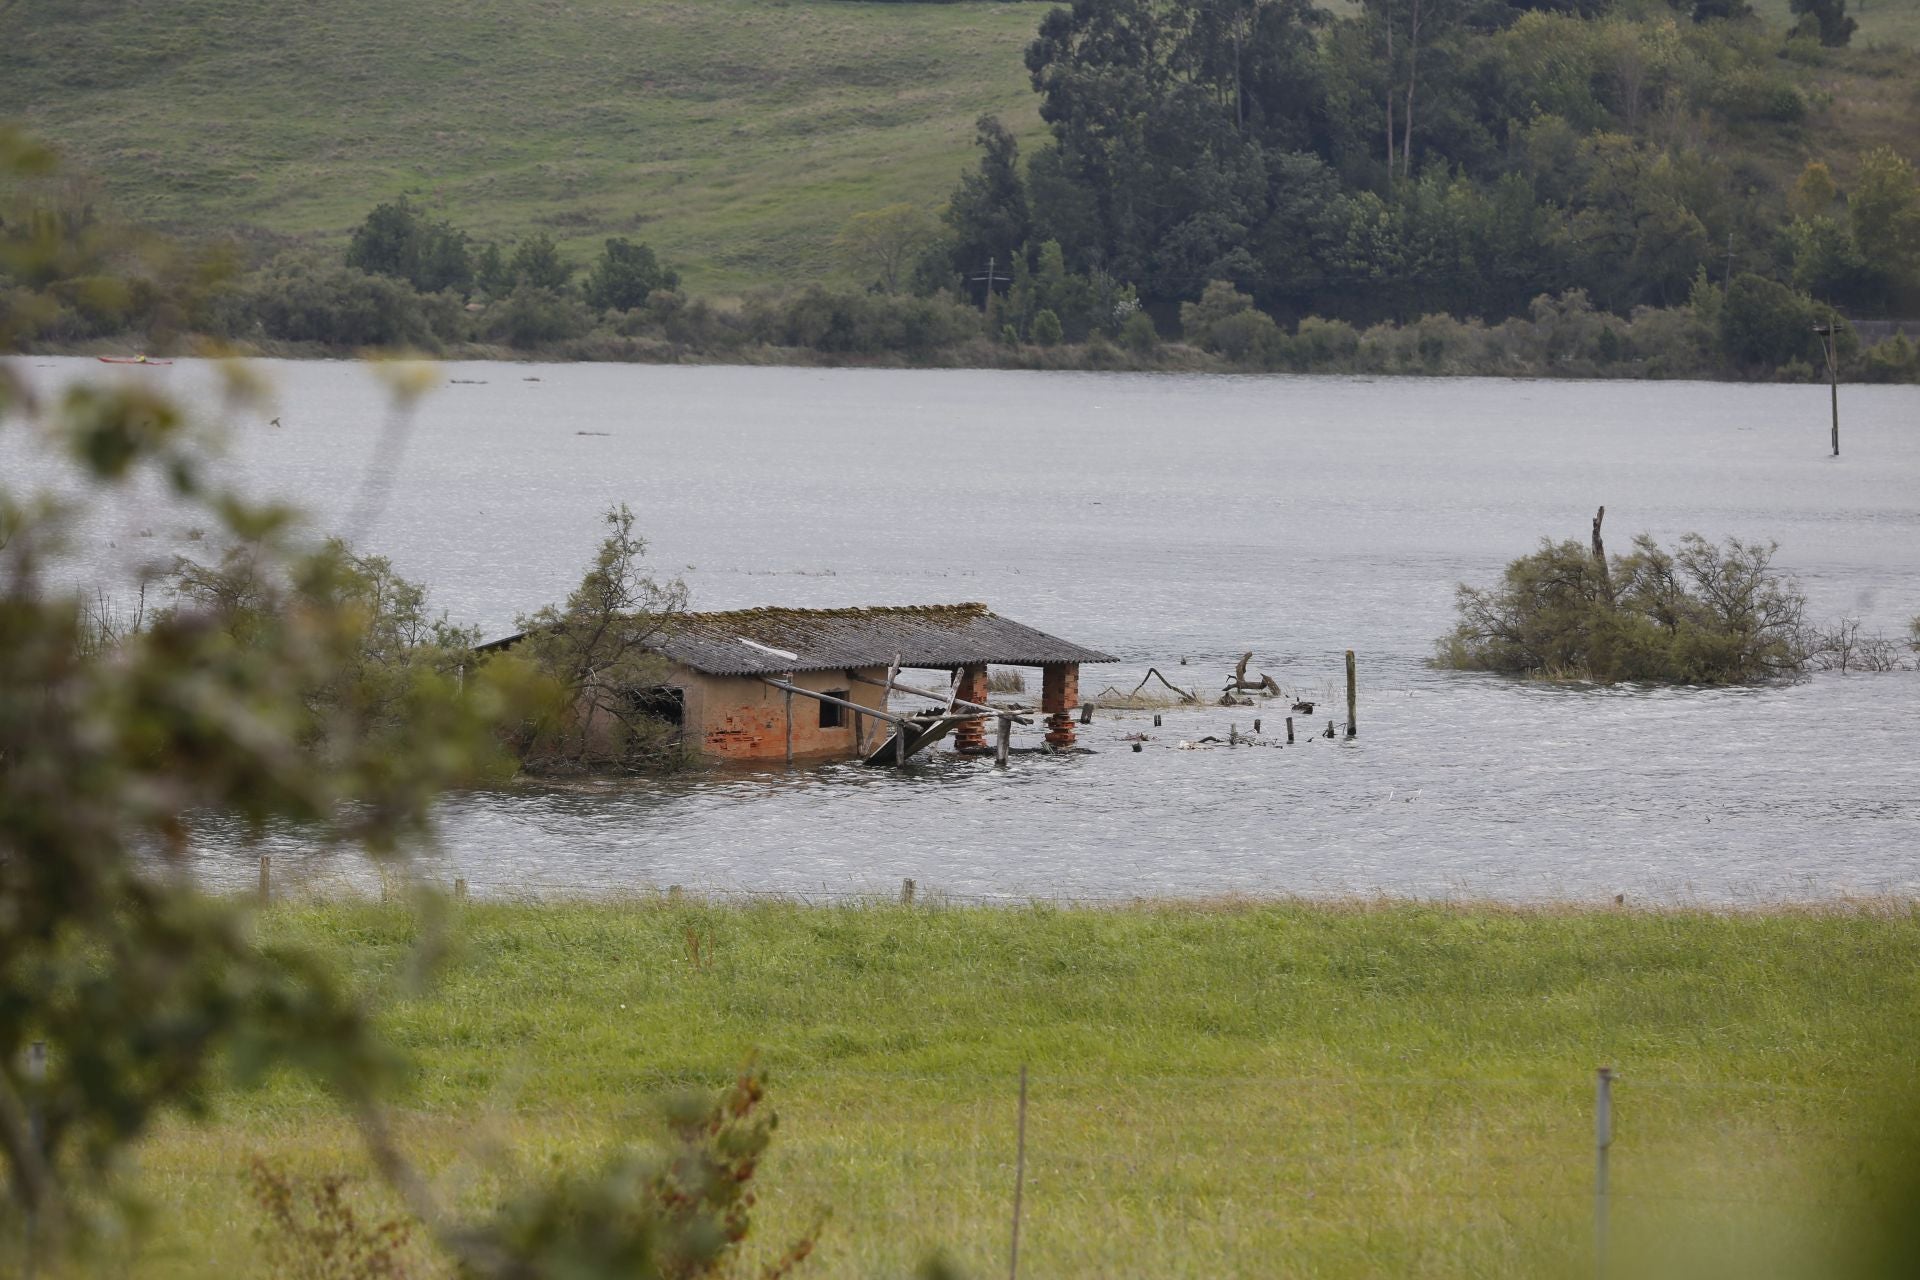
(1003, 742)
(1156, 720)
(1289, 730)
(1086, 713)
(1353, 726)
(266, 879)
(1830, 337)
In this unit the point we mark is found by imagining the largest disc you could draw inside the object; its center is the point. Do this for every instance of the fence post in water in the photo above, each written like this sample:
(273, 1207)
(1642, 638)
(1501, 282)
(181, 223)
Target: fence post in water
(36, 1075)
(906, 892)
(1602, 1140)
(1256, 726)
(1156, 721)
(1289, 730)
(1019, 1176)
(1003, 742)
(266, 879)
(1086, 713)
(1353, 726)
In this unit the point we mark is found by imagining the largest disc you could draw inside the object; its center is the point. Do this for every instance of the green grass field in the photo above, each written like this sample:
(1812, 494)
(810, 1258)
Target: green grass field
(1224, 1089)
(736, 136)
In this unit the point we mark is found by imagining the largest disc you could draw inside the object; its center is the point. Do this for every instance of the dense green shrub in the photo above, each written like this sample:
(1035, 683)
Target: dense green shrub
(1895, 360)
(1137, 333)
(532, 316)
(1699, 614)
(399, 240)
(344, 307)
(536, 263)
(843, 322)
(1764, 323)
(1247, 337)
(1046, 328)
(626, 275)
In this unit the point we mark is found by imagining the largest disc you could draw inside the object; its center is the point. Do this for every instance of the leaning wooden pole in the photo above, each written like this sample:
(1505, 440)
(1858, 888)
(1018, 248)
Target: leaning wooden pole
(1833, 385)
(1353, 725)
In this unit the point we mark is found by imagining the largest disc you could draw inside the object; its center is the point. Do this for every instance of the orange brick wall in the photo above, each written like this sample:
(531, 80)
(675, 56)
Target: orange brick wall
(739, 718)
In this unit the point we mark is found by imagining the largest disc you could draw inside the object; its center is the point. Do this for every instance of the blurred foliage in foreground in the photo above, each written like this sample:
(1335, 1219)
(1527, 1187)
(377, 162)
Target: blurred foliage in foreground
(284, 683)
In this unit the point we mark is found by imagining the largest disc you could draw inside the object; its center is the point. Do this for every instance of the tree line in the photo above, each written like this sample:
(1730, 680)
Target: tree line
(1459, 157)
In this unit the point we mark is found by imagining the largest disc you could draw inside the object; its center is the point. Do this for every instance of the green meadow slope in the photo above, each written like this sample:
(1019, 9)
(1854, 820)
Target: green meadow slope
(734, 135)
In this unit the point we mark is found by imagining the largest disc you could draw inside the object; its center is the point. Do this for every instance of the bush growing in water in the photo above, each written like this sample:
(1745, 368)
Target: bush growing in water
(1702, 613)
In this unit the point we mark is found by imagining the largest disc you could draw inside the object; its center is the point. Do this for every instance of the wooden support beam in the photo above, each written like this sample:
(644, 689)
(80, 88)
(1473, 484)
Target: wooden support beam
(982, 707)
(889, 716)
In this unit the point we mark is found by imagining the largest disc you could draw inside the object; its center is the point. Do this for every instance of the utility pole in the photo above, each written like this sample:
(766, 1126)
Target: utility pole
(990, 277)
(1829, 333)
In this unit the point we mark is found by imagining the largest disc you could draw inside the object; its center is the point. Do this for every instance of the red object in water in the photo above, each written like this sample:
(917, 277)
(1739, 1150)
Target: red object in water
(131, 360)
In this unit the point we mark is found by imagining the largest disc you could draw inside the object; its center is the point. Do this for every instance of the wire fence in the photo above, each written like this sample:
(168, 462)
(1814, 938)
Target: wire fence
(1139, 1172)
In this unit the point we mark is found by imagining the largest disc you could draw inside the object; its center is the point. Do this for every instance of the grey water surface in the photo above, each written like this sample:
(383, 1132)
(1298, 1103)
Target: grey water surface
(1160, 518)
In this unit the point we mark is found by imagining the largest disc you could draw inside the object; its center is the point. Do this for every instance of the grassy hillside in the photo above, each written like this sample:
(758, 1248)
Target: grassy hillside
(735, 135)
(1218, 1090)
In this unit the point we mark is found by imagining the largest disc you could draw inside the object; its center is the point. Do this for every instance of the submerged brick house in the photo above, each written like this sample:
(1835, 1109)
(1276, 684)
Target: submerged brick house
(774, 684)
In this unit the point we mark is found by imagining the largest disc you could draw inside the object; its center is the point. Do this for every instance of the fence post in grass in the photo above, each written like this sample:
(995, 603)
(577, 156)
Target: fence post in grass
(460, 889)
(266, 879)
(906, 892)
(1602, 1140)
(1353, 726)
(36, 1075)
(1019, 1176)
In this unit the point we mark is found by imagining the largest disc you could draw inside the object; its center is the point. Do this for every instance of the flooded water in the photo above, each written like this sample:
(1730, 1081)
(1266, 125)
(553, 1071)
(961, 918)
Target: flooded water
(1160, 518)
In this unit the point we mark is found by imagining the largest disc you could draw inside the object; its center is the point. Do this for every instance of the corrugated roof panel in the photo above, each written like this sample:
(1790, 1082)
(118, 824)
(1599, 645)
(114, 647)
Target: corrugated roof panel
(771, 641)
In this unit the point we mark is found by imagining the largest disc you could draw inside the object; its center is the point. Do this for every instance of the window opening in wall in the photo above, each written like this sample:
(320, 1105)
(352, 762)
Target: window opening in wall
(831, 715)
(661, 703)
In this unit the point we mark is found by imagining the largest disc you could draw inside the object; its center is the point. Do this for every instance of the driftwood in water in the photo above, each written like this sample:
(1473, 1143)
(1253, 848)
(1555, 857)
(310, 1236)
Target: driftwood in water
(1264, 685)
(1153, 673)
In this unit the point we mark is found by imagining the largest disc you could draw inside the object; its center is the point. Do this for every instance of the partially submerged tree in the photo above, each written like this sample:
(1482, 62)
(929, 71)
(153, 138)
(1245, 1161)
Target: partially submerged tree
(597, 652)
(1702, 613)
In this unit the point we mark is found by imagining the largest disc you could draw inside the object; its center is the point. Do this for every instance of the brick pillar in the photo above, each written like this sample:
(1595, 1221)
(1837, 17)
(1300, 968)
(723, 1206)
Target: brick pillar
(1059, 695)
(972, 734)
